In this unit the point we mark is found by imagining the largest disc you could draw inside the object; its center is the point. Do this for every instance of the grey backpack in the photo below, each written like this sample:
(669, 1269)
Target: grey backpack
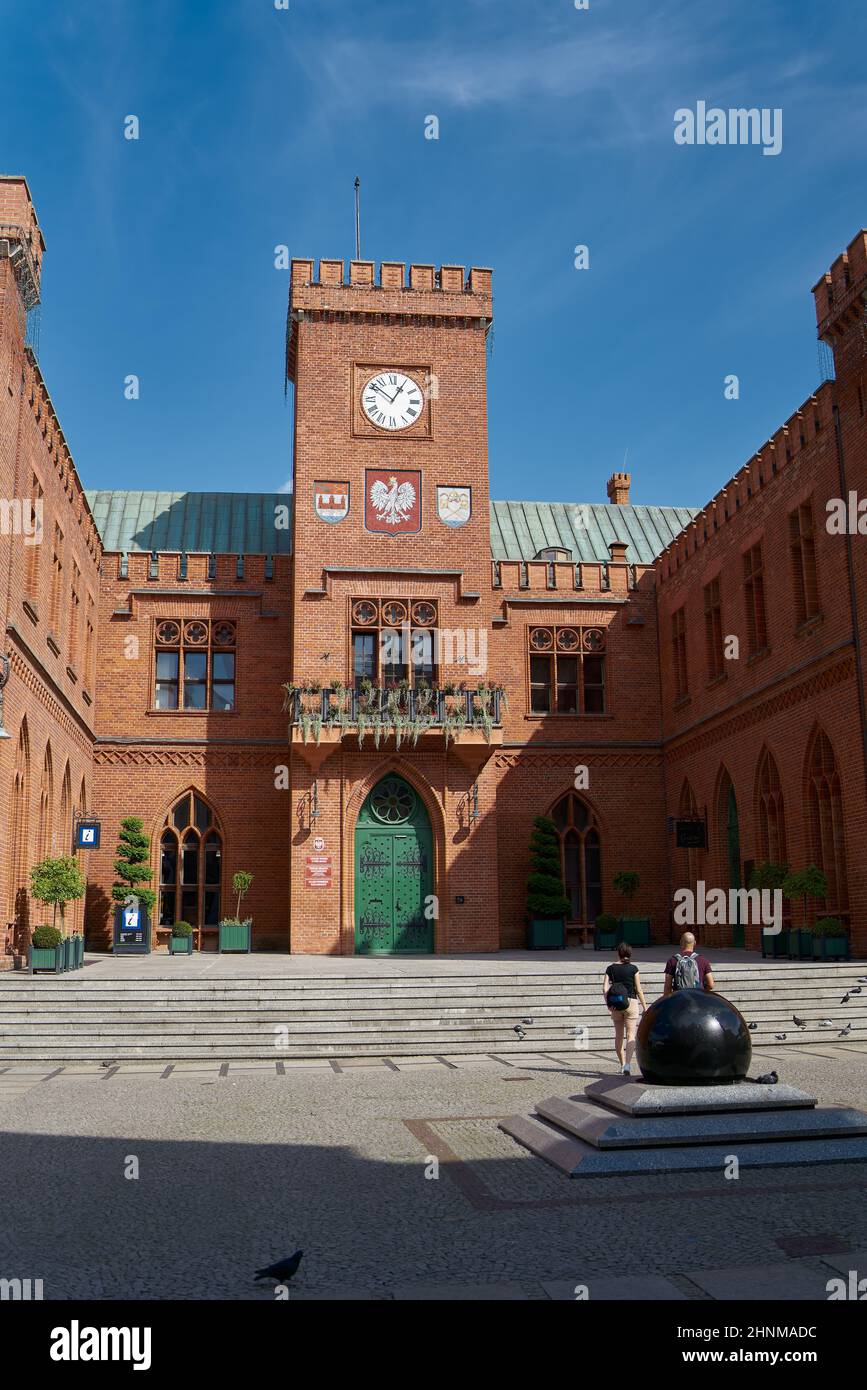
(686, 972)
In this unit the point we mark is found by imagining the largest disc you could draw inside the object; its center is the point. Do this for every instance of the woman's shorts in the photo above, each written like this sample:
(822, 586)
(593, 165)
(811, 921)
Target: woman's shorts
(626, 1018)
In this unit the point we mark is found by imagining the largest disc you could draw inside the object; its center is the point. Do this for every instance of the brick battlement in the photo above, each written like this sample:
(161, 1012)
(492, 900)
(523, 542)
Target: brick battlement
(841, 290)
(799, 433)
(41, 406)
(449, 279)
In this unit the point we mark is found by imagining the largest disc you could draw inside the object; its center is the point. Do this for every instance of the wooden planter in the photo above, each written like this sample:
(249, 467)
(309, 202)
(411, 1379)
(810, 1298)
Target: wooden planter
(775, 947)
(604, 940)
(47, 958)
(180, 945)
(800, 944)
(546, 934)
(636, 930)
(68, 948)
(831, 947)
(78, 952)
(236, 936)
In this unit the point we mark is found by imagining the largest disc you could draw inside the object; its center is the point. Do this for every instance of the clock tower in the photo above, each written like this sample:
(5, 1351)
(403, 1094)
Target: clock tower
(390, 442)
(391, 557)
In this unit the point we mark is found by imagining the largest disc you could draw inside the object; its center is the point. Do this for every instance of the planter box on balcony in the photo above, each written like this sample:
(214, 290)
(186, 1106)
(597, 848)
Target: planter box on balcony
(47, 958)
(546, 934)
(635, 930)
(236, 936)
(180, 945)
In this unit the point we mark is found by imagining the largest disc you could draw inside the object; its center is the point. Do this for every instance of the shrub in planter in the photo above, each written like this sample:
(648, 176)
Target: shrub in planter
(46, 950)
(181, 943)
(830, 938)
(547, 904)
(56, 882)
(236, 933)
(605, 932)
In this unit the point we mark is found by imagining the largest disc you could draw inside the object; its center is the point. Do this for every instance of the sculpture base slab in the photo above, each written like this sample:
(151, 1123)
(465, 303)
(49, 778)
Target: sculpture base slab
(638, 1097)
(579, 1160)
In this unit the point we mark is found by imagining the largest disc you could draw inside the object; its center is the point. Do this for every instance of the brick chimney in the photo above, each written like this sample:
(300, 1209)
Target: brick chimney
(618, 489)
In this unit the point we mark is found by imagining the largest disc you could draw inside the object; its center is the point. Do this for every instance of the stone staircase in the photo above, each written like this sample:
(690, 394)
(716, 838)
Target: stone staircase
(73, 1017)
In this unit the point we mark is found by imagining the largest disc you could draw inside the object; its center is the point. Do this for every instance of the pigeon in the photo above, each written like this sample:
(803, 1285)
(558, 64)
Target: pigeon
(753, 1027)
(856, 989)
(282, 1270)
(519, 1030)
(769, 1079)
(528, 1020)
(108, 1064)
(844, 1032)
(845, 999)
(799, 1022)
(862, 979)
(826, 1023)
(780, 1037)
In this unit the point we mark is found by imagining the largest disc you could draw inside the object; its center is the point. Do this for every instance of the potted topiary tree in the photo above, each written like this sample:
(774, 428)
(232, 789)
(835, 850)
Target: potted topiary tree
(605, 932)
(772, 877)
(181, 942)
(236, 934)
(635, 930)
(804, 884)
(132, 866)
(830, 939)
(547, 904)
(58, 882)
(46, 950)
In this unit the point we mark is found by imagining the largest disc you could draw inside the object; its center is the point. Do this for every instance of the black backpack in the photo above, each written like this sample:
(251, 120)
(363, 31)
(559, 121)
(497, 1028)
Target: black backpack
(617, 996)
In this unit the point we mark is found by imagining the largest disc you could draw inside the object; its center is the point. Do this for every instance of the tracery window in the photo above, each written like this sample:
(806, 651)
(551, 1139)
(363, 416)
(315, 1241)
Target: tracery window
(394, 640)
(194, 664)
(567, 670)
(825, 823)
(581, 857)
(191, 864)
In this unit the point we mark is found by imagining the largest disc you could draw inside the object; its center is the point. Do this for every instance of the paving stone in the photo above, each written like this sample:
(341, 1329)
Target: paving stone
(459, 1293)
(763, 1283)
(631, 1288)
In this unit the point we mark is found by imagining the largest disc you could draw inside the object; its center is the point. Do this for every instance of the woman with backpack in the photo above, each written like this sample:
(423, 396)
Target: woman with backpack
(622, 990)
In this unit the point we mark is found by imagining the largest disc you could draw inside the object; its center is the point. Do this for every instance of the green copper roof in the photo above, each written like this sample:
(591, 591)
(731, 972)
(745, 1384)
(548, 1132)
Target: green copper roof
(216, 523)
(242, 523)
(519, 530)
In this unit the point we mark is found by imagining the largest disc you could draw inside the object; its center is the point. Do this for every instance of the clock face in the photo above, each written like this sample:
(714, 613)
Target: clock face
(392, 400)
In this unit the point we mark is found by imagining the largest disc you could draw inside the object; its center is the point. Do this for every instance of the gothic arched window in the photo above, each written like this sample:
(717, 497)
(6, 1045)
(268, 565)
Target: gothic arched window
(825, 821)
(191, 864)
(580, 857)
(770, 816)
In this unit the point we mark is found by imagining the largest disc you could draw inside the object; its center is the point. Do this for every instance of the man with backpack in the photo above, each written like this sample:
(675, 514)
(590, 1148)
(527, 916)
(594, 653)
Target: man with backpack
(687, 969)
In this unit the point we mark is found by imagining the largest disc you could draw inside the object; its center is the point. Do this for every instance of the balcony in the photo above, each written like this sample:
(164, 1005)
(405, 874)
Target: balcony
(468, 719)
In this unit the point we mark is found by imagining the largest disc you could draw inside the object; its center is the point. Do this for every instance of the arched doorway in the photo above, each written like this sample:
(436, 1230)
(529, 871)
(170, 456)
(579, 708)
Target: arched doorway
(580, 857)
(393, 872)
(190, 864)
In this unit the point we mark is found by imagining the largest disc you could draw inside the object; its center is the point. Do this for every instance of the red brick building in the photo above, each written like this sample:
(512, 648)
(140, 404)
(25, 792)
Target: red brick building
(452, 666)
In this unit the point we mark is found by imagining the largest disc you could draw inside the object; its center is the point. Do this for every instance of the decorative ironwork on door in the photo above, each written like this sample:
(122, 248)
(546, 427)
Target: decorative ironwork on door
(393, 872)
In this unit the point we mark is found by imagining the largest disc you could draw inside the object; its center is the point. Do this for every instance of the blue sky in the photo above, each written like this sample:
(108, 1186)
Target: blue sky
(556, 128)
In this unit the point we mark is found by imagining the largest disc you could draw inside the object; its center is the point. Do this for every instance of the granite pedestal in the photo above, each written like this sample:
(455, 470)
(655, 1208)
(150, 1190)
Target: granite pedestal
(621, 1127)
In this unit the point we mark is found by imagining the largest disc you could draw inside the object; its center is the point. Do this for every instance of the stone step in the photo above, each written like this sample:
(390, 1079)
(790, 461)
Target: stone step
(605, 1130)
(578, 1159)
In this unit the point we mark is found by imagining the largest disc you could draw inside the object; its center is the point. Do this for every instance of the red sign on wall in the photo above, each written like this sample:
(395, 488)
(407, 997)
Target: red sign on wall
(392, 500)
(317, 871)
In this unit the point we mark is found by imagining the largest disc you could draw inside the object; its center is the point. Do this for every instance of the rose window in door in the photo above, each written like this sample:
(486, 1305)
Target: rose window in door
(393, 802)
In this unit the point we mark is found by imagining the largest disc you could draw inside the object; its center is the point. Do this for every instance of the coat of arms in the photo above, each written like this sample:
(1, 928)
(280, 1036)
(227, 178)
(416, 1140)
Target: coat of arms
(392, 501)
(331, 500)
(454, 505)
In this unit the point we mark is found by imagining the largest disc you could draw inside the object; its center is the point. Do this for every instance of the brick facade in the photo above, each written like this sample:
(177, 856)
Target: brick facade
(779, 724)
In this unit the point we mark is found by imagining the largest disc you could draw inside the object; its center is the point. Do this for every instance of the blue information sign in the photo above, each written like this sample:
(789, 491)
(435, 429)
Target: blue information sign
(87, 834)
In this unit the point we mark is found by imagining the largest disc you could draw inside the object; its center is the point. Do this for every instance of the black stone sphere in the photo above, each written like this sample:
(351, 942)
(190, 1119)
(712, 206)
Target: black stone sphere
(692, 1038)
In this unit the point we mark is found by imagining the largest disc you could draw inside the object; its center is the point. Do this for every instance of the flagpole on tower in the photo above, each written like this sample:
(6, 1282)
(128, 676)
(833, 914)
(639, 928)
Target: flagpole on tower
(358, 219)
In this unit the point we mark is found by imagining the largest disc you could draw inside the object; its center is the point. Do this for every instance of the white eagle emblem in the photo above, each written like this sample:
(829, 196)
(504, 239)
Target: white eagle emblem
(393, 502)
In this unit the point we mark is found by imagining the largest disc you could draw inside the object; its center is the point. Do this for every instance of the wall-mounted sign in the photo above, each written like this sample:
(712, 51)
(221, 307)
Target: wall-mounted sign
(317, 871)
(331, 501)
(87, 834)
(690, 834)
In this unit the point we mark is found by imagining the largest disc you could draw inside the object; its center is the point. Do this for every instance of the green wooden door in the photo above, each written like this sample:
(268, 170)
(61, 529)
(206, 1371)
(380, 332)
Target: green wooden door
(733, 838)
(393, 872)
